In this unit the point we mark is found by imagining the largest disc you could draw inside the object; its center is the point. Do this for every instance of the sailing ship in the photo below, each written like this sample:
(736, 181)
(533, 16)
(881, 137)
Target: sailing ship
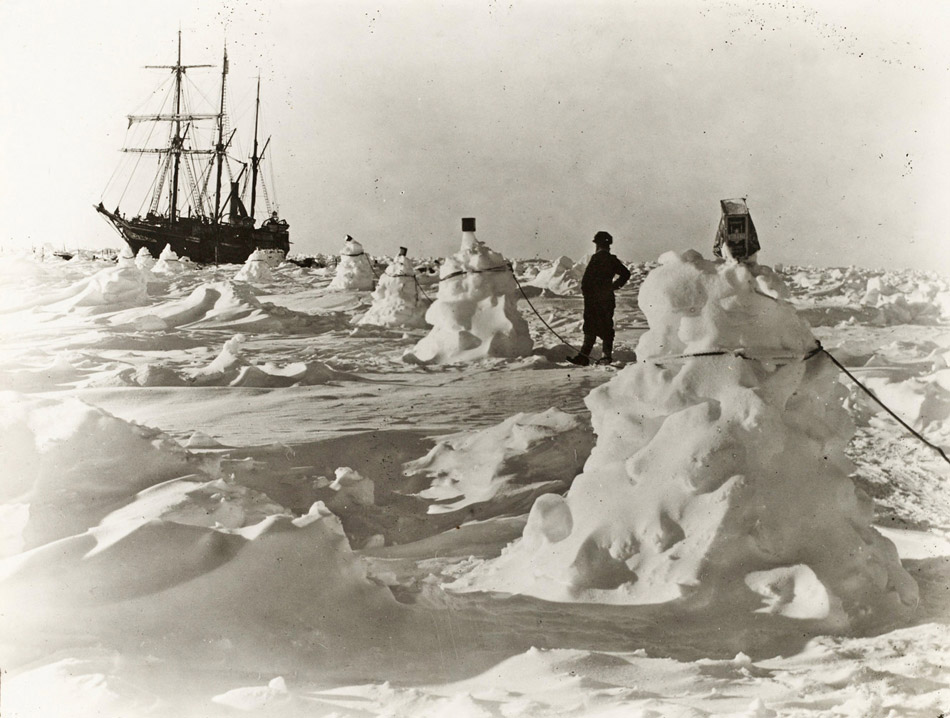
(197, 220)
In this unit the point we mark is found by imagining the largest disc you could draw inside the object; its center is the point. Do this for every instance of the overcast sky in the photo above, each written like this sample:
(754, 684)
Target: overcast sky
(547, 120)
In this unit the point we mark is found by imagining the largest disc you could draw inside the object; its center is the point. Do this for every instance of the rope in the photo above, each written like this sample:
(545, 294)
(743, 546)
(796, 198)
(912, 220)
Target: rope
(550, 328)
(371, 267)
(500, 268)
(738, 353)
(420, 289)
(818, 349)
(883, 406)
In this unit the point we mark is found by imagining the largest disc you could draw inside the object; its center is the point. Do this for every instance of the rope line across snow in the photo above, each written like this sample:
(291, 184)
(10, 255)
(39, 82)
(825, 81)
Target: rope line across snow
(880, 403)
(819, 349)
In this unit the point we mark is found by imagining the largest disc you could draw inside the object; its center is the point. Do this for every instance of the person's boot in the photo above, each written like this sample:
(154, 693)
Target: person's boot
(607, 358)
(583, 357)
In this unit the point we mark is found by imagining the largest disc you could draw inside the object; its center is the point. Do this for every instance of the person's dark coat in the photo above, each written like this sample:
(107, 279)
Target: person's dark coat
(604, 274)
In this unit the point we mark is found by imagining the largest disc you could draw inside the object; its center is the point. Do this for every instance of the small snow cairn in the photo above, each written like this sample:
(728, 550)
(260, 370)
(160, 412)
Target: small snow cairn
(719, 480)
(475, 314)
(144, 259)
(355, 270)
(255, 269)
(397, 301)
(168, 263)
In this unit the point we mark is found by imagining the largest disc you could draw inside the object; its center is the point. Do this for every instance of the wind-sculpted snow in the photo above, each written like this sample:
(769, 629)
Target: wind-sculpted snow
(523, 453)
(160, 550)
(194, 569)
(224, 305)
(49, 465)
(717, 482)
(231, 368)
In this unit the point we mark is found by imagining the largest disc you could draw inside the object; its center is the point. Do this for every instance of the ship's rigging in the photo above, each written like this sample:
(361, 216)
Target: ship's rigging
(181, 197)
(186, 164)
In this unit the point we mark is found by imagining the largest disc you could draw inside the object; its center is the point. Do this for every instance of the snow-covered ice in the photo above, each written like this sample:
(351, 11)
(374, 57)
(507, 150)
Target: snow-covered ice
(221, 500)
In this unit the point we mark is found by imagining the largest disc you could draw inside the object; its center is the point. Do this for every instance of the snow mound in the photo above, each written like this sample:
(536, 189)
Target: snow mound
(563, 276)
(255, 269)
(208, 588)
(524, 452)
(231, 368)
(717, 482)
(50, 464)
(219, 305)
(475, 314)
(78, 686)
(114, 288)
(355, 270)
(142, 375)
(397, 301)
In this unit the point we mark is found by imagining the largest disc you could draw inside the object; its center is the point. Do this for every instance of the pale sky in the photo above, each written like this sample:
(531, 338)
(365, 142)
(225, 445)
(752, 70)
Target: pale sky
(547, 120)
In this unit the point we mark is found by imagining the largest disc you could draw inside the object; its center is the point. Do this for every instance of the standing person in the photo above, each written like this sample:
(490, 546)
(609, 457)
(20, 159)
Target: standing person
(604, 275)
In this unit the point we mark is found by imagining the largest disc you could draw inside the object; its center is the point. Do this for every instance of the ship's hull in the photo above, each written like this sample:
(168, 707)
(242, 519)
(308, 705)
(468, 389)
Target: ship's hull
(201, 241)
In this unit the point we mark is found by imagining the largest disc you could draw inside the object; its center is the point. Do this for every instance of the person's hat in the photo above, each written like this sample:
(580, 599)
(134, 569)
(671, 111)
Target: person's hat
(604, 238)
(403, 251)
(468, 224)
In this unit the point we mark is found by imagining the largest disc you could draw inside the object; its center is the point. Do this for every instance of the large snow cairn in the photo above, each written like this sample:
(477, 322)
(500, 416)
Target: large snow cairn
(397, 301)
(718, 482)
(355, 270)
(475, 313)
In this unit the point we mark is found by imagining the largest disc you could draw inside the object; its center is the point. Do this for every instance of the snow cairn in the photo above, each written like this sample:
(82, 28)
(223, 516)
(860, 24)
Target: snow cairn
(719, 480)
(355, 270)
(144, 259)
(397, 301)
(168, 263)
(255, 269)
(475, 314)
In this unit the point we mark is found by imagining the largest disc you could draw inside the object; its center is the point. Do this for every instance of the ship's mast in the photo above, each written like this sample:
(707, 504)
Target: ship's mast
(177, 140)
(255, 160)
(219, 148)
